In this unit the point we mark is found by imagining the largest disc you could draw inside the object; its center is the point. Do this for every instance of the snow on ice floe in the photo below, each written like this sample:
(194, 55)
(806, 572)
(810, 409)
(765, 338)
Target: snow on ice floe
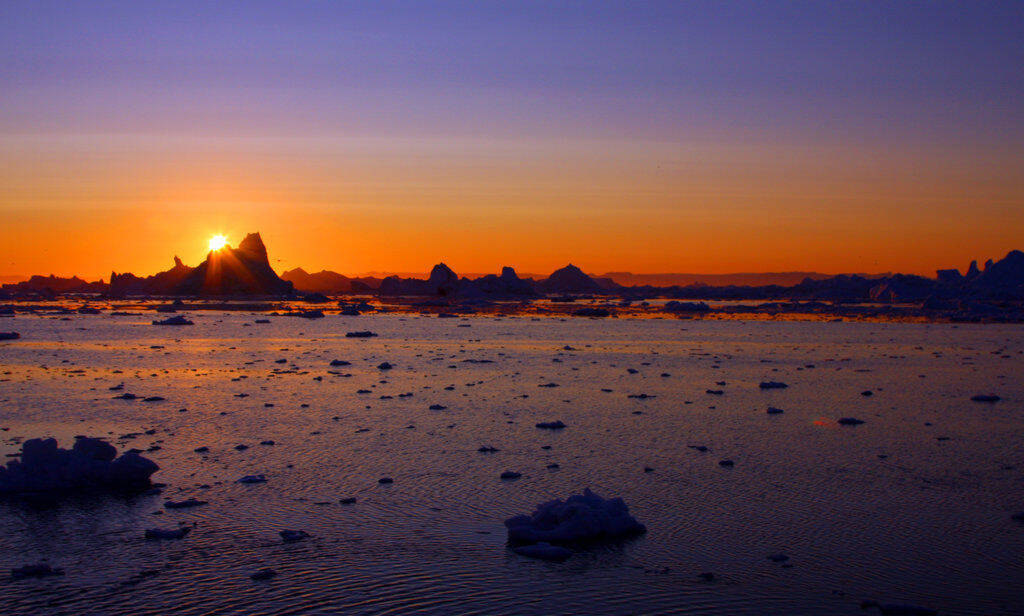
(580, 519)
(91, 464)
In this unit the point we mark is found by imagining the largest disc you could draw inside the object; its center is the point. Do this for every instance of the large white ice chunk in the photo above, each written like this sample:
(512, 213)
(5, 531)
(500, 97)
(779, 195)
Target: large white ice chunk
(91, 465)
(581, 518)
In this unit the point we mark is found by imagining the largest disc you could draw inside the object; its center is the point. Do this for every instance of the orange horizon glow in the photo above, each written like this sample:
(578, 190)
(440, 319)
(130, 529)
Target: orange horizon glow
(710, 207)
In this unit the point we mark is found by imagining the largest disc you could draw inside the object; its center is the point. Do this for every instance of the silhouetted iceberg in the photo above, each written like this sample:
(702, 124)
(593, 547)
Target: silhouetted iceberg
(54, 285)
(570, 279)
(442, 282)
(235, 271)
(162, 283)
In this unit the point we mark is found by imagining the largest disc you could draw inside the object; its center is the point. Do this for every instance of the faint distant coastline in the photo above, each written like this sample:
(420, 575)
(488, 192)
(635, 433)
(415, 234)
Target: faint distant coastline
(995, 290)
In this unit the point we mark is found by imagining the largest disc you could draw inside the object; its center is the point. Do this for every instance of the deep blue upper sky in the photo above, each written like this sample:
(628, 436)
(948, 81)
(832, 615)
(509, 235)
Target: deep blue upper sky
(488, 67)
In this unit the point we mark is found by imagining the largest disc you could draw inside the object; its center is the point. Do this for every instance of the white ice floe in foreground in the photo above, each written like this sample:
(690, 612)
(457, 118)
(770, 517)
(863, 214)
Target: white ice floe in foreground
(91, 465)
(579, 519)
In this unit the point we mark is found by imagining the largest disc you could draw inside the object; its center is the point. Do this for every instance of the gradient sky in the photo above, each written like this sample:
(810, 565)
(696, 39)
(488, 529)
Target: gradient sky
(646, 136)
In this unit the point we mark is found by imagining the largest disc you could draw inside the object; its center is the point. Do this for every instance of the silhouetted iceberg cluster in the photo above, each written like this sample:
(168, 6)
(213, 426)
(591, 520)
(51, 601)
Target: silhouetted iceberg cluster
(579, 519)
(91, 465)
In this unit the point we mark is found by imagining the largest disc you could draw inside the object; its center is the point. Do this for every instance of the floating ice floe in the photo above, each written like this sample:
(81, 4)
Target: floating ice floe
(90, 465)
(578, 520)
(154, 534)
(263, 574)
(185, 504)
(35, 571)
(175, 320)
(551, 425)
(898, 609)
(291, 536)
(985, 398)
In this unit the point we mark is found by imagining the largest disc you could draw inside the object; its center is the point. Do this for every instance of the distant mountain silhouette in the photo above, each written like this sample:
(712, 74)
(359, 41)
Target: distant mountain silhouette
(246, 271)
(329, 283)
(752, 279)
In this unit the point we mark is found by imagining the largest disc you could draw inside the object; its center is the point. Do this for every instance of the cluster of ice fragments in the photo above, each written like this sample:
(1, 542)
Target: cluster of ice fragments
(91, 464)
(580, 519)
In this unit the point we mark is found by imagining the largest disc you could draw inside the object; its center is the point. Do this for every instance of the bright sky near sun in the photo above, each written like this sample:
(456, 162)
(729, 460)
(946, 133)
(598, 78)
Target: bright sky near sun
(645, 136)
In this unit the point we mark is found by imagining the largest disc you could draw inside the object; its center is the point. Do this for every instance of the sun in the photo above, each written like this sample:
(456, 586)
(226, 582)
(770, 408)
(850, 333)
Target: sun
(217, 242)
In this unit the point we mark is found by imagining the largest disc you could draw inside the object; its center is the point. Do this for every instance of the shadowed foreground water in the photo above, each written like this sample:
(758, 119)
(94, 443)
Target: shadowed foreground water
(913, 506)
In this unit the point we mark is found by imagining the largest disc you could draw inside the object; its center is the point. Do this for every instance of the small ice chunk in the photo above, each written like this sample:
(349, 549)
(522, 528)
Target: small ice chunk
(551, 425)
(154, 534)
(175, 320)
(185, 504)
(35, 571)
(291, 536)
(263, 574)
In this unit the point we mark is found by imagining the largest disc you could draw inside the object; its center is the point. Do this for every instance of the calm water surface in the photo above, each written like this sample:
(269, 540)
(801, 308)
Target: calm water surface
(912, 506)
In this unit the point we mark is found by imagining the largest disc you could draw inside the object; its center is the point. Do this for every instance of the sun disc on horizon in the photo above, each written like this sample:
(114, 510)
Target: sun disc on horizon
(217, 242)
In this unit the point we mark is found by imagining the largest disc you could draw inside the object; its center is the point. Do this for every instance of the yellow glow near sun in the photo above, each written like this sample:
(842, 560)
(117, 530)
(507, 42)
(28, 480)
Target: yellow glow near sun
(217, 242)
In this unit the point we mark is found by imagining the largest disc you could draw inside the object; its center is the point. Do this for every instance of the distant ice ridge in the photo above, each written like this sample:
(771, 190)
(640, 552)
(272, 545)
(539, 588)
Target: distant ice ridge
(579, 519)
(90, 465)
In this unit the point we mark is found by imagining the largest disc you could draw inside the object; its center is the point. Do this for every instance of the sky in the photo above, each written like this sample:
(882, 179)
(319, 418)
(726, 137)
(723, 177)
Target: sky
(705, 137)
